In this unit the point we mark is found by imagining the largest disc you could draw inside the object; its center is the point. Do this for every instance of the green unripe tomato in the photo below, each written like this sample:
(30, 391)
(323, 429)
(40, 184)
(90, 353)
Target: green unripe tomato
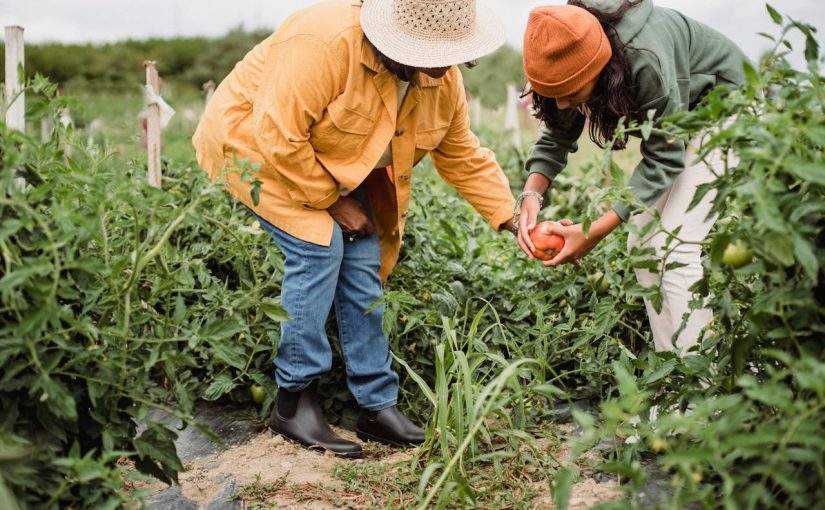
(737, 254)
(598, 282)
(258, 393)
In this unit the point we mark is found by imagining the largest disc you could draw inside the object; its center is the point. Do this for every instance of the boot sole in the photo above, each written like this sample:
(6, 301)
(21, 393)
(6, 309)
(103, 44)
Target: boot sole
(365, 436)
(315, 447)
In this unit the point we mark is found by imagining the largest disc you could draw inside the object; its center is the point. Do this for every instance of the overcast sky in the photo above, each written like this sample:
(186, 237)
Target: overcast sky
(109, 20)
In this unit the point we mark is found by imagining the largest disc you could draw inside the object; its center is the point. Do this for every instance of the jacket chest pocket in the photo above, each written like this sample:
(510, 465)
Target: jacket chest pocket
(342, 130)
(427, 140)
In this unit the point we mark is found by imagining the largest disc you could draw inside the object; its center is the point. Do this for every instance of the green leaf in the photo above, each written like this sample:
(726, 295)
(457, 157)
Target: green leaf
(751, 75)
(60, 400)
(7, 499)
(811, 172)
(255, 192)
(274, 310)
(775, 16)
(426, 475)
(660, 373)
(811, 48)
(627, 384)
(617, 175)
(156, 453)
(646, 129)
(22, 275)
(221, 385)
(781, 248)
(804, 253)
(550, 391)
(772, 394)
(563, 487)
(232, 355)
(221, 328)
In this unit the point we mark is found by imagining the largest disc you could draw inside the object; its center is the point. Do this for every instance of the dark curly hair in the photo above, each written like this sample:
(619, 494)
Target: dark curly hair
(402, 71)
(613, 98)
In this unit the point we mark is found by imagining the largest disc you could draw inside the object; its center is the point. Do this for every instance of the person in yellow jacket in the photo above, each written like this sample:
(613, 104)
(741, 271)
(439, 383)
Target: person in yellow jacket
(330, 114)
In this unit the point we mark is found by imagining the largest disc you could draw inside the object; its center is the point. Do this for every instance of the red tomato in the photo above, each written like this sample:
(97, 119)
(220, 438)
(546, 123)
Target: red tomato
(547, 244)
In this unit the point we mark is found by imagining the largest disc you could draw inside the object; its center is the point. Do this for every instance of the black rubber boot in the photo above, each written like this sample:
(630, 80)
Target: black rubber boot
(388, 426)
(298, 416)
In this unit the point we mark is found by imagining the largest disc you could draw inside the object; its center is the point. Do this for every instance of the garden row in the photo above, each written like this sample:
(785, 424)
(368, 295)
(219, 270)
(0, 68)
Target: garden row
(118, 298)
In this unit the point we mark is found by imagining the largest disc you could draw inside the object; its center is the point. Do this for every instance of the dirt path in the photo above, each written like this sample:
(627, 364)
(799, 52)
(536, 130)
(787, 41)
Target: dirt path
(277, 473)
(267, 471)
(258, 469)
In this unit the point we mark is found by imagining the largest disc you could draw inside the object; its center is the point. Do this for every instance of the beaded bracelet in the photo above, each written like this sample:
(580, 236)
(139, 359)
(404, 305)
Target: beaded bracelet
(520, 201)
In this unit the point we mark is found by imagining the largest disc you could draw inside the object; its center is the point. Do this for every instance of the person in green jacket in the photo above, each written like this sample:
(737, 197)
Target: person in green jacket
(593, 63)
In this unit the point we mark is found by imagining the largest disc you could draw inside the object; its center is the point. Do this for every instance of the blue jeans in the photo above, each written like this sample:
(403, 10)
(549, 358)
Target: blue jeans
(344, 274)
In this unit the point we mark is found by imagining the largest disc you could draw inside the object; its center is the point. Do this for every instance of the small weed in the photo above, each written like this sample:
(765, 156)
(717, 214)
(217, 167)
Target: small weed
(260, 492)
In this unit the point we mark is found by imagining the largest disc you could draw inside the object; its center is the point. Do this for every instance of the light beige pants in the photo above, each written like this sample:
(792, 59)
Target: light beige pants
(695, 227)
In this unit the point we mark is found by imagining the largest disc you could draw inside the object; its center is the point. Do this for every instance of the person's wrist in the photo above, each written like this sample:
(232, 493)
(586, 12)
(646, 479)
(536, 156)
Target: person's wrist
(602, 227)
(519, 205)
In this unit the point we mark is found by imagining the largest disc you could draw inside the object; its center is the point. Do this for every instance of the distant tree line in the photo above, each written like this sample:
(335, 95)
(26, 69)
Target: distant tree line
(196, 60)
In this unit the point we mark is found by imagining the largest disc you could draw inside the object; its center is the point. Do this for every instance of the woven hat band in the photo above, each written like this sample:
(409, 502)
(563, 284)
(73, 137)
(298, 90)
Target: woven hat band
(435, 19)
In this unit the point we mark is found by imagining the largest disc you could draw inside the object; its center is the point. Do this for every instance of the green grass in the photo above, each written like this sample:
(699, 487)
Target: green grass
(115, 117)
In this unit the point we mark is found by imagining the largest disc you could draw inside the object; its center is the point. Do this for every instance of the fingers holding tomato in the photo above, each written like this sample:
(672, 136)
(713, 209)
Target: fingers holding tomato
(527, 222)
(575, 243)
(546, 243)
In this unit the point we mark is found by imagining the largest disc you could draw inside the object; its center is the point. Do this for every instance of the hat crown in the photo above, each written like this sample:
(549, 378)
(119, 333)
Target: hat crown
(435, 19)
(565, 47)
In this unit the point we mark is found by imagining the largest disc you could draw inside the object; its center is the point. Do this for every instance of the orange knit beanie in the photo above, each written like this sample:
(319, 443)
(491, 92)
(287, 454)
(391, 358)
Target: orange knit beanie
(565, 48)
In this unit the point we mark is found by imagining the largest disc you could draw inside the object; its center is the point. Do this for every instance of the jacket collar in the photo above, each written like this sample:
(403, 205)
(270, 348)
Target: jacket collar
(370, 60)
(634, 21)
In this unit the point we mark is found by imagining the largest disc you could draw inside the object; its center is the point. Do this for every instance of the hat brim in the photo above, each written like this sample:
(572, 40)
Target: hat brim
(378, 24)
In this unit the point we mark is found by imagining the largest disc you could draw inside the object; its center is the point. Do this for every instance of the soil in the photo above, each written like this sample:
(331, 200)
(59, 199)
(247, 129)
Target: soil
(267, 471)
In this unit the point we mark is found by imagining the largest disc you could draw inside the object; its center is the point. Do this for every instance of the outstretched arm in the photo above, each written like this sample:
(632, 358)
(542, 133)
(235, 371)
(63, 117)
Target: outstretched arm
(473, 170)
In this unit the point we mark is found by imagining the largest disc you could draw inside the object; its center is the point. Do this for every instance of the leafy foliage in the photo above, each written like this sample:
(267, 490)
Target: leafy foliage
(117, 299)
(740, 424)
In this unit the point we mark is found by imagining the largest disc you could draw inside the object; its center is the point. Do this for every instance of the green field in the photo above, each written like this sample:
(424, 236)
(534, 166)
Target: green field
(118, 301)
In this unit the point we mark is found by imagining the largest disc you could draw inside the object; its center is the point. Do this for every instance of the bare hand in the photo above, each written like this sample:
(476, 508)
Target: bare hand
(576, 244)
(350, 215)
(526, 223)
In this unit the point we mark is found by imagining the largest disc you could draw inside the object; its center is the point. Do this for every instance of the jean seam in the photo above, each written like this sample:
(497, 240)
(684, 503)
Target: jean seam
(292, 353)
(383, 405)
(342, 326)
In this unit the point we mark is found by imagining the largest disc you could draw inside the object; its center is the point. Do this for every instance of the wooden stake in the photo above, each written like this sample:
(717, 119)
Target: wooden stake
(475, 112)
(208, 90)
(46, 128)
(153, 127)
(15, 77)
(511, 118)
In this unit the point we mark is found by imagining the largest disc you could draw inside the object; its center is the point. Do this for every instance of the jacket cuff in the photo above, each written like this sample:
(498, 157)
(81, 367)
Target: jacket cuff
(622, 209)
(538, 166)
(502, 214)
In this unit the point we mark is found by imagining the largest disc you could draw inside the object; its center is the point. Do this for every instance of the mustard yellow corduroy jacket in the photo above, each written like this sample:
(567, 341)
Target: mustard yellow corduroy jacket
(314, 109)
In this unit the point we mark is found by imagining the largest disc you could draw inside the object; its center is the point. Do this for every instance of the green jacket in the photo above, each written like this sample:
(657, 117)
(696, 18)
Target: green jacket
(674, 60)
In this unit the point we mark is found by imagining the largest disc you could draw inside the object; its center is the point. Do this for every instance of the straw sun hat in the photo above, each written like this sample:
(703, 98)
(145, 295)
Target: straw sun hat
(431, 33)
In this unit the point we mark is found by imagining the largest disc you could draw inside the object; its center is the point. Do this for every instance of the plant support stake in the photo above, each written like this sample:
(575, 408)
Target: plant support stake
(208, 90)
(15, 96)
(512, 122)
(153, 126)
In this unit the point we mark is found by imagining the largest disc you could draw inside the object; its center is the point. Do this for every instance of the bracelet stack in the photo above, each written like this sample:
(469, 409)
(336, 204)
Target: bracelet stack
(520, 201)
